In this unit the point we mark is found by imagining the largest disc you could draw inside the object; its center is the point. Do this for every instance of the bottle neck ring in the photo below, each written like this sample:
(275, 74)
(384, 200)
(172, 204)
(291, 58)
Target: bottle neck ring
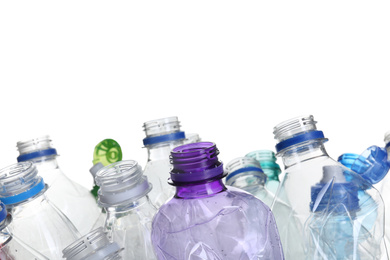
(36, 154)
(246, 169)
(164, 138)
(312, 135)
(24, 195)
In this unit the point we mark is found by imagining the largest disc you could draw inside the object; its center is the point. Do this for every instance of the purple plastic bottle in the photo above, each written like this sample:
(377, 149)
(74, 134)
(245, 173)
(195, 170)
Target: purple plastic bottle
(205, 220)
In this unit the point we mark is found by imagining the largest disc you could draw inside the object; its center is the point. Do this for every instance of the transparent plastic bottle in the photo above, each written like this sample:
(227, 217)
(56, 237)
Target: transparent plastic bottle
(36, 222)
(123, 194)
(205, 220)
(11, 247)
(71, 198)
(161, 136)
(323, 197)
(245, 173)
(93, 246)
(268, 164)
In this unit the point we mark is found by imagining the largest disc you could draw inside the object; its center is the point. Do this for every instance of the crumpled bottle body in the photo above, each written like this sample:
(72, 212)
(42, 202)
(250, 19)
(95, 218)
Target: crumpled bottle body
(228, 225)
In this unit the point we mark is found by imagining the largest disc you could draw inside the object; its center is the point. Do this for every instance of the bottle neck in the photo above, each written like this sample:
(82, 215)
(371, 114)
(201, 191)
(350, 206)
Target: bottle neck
(46, 163)
(196, 191)
(162, 151)
(300, 153)
(129, 206)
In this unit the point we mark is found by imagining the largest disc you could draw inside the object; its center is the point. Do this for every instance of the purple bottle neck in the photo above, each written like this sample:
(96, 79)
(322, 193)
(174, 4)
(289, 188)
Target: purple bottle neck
(196, 172)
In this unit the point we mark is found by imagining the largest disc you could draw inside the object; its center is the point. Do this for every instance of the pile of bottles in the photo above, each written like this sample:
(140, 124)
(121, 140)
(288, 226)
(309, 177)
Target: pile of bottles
(186, 204)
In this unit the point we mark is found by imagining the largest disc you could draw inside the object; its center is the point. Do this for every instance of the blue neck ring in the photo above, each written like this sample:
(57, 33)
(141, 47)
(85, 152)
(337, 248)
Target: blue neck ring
(37, 154)
(24, 195)
(164, 138)
(300, 139)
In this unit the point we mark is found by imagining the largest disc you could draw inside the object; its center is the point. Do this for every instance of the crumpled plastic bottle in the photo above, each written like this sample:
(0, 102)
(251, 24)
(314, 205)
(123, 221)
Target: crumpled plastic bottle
(245, 173)
(327, 218)
(161, 136)
(268, 164)
(11, 248)
(36, 221)
(205, 220)
(70, 197)
(93, 246)
(128, 213)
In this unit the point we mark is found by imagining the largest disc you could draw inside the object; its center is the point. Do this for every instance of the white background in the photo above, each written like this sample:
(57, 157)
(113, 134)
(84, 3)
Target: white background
(83, 71)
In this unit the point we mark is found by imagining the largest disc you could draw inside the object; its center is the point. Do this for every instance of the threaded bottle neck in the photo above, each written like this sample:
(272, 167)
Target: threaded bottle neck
(35, 148)
(94, 245)
(20, 182)
(120, 183)
(162, 130)
(245, 166)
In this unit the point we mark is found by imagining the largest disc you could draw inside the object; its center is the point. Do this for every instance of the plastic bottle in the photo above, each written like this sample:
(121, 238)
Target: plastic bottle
(267, 161)
(36, 222)
(161, 136)
(106, 152)
(11, 247)
(205, 220)
(93, 246)
(123, 194)
(71, 198)
(323, 198)
(245, 173)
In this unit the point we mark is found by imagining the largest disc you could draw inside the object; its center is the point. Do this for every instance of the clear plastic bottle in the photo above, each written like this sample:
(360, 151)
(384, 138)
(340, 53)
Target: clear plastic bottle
(11, 247)
(36, 222)
(93, 246)
(327, 220)
(205, 220)
(268, 164)
(71, 198)
(123, 194)
(161, 136)
(245, 173)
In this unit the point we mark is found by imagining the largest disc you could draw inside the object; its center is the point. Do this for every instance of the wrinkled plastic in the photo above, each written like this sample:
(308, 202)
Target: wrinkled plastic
(205, 220)
(36, 221)
(333, 214)
(11, 248)
(71, 198)
(128, 213)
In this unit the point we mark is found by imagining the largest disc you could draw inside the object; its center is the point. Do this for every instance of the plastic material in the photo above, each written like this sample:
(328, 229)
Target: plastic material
(205, 220)
(36, 222)
(268, 164)
(70, 197)
(158, 165)
(93, 246)
(10, 247)
(334, 212)
(245, 173)
(128, 218)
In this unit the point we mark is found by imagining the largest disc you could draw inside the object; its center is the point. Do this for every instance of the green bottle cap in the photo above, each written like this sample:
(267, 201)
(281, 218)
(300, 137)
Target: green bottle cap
(107, 152)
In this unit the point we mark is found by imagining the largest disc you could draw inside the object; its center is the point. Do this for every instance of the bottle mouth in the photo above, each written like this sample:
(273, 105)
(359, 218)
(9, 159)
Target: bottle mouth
(94, 245)
(195, 162)
(20, 182)
(121, 182)
(347, 159)
(295, 131)
(267, 160)
(35, 148)
(243, 166)
(162, 130)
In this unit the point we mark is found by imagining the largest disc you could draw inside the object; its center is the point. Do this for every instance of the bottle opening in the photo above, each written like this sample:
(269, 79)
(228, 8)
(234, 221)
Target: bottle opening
(19, 182)
(162, 130)
(244, 166)
(120, 182)
(35, 148)
(94, 245)
(195, 162)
